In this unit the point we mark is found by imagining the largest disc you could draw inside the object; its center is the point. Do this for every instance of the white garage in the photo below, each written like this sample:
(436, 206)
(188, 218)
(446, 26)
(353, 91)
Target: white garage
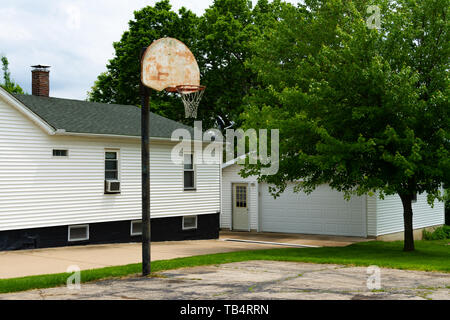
(322, 212)
(247, 205)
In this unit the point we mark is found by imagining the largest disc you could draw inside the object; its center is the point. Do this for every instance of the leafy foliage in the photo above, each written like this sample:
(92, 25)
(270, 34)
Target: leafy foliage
(120, 83)
(219, 40)
(225, 34)
(439, 233)
(9, 84)
(360, 109)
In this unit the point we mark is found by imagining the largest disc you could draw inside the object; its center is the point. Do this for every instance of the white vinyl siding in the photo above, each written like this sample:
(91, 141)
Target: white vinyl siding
(324, 211)
(39, 190)
(231, 175)
(371, 215)
(389, 214)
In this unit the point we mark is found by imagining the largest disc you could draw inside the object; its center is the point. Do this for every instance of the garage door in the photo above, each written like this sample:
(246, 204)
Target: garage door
(324, 211)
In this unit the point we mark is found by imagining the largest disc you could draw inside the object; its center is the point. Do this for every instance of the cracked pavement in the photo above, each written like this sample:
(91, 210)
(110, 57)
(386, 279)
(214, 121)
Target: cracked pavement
(258, 280)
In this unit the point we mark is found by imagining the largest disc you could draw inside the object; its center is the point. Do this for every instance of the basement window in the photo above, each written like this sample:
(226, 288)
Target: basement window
(79, 232)
(136, 228)
(60, 153)
(189, 222)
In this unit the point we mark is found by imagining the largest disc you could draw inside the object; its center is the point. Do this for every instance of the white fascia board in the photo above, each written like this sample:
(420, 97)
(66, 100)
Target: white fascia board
(19, 106)
(11, 100)
(62, 132)
(231, 162)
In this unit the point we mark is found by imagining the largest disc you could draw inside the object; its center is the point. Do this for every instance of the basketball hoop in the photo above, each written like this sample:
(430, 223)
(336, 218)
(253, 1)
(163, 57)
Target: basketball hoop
(191, 96)
(165, 64)
(168, 64)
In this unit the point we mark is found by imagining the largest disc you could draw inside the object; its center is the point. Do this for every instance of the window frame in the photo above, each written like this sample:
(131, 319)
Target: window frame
(193, 170)
(58, 156)
(239, 200)
(117, 152)
(78, 226)
(131, 228)
(190, 228)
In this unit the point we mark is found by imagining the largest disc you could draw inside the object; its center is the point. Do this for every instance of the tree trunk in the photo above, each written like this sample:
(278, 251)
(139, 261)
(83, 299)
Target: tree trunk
(408, 244)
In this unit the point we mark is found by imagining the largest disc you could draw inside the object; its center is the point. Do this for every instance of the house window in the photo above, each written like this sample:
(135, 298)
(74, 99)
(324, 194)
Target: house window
(414, 198)
(189, 222)
(136, 228)
(189, 172)
(60, 153)
(78, 233)
(241, 197)
(111, 165)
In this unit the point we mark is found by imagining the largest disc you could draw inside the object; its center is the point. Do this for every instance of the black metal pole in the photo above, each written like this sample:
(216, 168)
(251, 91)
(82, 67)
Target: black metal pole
(145, 163)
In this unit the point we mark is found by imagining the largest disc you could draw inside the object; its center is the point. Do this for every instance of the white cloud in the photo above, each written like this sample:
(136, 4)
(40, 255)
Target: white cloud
(8, 28)
(73, 13)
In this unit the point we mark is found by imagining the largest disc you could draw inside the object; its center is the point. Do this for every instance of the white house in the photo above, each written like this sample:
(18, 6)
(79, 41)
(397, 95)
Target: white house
(248, 206)
(70, 173)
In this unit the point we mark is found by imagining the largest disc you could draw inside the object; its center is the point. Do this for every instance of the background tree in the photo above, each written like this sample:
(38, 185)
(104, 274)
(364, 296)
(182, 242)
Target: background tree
(219, 40)
(225, 32)
(120, 83)
(8, 84)
(359, 109)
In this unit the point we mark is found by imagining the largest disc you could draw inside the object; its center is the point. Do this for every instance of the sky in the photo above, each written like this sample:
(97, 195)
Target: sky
(74, 37)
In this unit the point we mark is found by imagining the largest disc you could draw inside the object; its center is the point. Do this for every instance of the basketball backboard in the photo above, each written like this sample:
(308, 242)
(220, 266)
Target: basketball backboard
(168, 63)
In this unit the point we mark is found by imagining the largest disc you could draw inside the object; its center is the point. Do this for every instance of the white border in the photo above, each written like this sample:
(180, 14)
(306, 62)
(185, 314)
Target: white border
(77, 226)
(248, 205)
(131, 228)
(190, 228)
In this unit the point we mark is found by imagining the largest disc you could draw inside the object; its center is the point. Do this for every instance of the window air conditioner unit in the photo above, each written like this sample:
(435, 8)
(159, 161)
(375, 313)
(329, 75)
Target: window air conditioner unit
(112, 186)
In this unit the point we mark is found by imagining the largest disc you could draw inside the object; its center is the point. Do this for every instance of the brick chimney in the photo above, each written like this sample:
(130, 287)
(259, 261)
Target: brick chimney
(40, 83)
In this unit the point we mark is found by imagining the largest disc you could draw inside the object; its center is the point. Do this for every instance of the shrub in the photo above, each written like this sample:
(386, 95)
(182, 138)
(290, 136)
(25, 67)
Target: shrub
(439, 233)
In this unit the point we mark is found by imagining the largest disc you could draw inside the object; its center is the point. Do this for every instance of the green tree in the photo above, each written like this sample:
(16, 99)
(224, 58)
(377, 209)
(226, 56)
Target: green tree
(225, 33)
(9, 84)
(120, 83)
(220, 40)
(360, 109)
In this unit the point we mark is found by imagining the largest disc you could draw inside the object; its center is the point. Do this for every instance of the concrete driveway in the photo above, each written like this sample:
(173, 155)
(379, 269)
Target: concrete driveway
(56, 260)
(291, 239)
(259, 280)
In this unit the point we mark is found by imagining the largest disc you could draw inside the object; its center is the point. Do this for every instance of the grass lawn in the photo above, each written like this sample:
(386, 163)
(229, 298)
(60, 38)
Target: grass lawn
(429, 256)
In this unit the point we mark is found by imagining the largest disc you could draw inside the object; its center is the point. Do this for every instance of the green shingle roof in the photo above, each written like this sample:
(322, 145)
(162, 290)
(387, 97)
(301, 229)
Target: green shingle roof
(97, 118)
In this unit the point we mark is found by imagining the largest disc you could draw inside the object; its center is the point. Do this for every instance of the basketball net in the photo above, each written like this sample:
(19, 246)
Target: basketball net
(191, 96)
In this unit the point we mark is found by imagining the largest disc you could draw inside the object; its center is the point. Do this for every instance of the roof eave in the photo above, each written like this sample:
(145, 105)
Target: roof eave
(49, 129)
(62, 132)
(19, 106)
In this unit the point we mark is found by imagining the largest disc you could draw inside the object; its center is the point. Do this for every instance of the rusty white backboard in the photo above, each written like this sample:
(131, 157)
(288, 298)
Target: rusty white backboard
(167, 63)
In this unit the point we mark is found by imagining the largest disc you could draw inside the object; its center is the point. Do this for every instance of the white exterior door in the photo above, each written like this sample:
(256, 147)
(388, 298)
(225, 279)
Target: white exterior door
(240, 206)
(324, 211)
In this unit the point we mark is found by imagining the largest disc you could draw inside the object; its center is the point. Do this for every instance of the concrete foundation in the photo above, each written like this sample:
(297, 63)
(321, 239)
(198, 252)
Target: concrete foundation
(418, 233)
